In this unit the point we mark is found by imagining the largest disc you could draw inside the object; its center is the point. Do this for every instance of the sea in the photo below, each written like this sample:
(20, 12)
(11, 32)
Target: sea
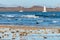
(39, 19)
(30, 18)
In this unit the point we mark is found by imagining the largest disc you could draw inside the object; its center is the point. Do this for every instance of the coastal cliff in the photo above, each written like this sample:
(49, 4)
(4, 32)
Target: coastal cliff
(34, 8)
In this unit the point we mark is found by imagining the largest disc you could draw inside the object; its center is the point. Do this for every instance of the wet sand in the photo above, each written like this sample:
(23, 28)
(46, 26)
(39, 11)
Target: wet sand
(29, 28)
(26, 27)
(13, 32)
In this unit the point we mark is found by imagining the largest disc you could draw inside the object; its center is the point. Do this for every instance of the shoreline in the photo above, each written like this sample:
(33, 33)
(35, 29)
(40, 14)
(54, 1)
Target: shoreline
(28, 27)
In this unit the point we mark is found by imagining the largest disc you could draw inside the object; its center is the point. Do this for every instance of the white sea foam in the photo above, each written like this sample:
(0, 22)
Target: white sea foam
(30, 16)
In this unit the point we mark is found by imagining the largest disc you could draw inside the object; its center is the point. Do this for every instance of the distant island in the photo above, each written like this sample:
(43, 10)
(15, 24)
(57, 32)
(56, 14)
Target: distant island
(33, 8)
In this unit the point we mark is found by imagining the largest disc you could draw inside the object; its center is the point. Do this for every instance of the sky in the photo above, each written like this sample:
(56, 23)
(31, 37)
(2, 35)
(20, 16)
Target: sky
(29, 3)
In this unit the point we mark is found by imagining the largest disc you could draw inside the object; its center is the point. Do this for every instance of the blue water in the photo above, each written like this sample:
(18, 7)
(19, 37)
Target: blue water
(45, 19)
(15, 18)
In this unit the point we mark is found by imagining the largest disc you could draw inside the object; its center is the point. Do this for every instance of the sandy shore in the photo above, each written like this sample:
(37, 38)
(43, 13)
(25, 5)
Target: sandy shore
(19, 27)
(13, 32)
(26, 27)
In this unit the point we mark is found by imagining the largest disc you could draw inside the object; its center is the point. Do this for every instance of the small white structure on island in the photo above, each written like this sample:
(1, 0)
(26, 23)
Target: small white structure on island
(44, 9)
(21, 11)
